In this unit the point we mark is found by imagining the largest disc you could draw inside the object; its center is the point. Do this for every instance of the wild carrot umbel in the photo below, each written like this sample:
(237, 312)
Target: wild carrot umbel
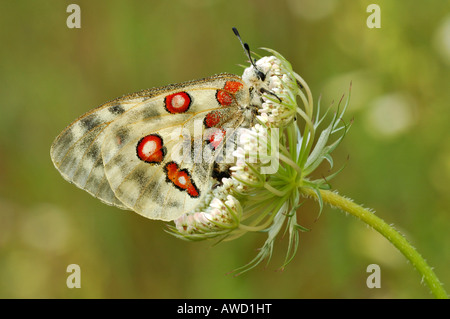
(273, 163)
(272, 174)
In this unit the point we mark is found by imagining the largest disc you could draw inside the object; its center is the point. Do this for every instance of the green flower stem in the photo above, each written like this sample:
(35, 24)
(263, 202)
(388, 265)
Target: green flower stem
(347, 205)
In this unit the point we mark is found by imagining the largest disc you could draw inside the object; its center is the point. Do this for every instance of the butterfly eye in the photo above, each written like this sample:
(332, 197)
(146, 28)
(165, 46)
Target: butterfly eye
(260, 75)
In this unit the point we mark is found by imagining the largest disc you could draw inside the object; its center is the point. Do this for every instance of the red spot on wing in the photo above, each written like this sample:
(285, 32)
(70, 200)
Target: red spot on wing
(225, 96)
(181, 179)
(212, 119)
(193, 191)
(177, 102)
(150, 149)
(233, 86)
(217, 137)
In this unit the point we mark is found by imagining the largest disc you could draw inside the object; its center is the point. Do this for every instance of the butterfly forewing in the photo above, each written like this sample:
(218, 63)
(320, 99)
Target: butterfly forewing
(76, 152)
(126, 152)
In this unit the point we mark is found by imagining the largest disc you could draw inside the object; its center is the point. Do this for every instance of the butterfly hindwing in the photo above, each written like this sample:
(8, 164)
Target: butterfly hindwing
(141, 150)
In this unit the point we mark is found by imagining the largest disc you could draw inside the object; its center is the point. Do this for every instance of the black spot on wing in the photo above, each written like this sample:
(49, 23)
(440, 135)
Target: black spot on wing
(93, 151)
(66, 138)
(122, 135)
(117, 160)
(140, 176)
(90, 122)
(153, 191)
(150, 112)
(172, 204)
(161, 198)
(116, 109)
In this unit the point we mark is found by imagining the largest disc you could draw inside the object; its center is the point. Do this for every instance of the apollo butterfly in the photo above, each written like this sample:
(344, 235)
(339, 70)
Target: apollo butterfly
(123, 151)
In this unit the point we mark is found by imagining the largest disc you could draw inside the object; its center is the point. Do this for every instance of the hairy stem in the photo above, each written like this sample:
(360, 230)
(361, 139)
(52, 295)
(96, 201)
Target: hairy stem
(347, 205)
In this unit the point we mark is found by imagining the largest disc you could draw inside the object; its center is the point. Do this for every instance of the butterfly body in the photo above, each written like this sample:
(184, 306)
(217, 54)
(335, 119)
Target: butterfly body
(123, 151)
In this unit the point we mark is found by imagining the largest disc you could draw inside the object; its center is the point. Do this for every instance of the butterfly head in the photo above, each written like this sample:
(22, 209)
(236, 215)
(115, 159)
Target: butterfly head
(256, 75)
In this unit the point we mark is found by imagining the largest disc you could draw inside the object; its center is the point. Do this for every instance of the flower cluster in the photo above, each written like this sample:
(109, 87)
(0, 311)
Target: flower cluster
(274, 111)
(219, 216)
(250, 154)
(220, 211)
(273, 163)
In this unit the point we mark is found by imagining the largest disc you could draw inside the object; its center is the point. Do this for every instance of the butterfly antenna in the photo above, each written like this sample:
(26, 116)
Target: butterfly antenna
(244, 45)
(247, 52)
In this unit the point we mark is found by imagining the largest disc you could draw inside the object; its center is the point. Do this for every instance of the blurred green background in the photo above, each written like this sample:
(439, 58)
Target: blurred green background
(397, 153)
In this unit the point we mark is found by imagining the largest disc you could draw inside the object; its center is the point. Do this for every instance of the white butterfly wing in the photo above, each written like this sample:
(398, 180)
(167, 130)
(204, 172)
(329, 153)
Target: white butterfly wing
(76, 152)
(155, 188)
(97, 152)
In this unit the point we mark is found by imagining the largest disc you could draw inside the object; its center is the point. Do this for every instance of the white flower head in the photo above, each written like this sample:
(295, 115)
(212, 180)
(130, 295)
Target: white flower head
(277, 108)
(254, 198)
